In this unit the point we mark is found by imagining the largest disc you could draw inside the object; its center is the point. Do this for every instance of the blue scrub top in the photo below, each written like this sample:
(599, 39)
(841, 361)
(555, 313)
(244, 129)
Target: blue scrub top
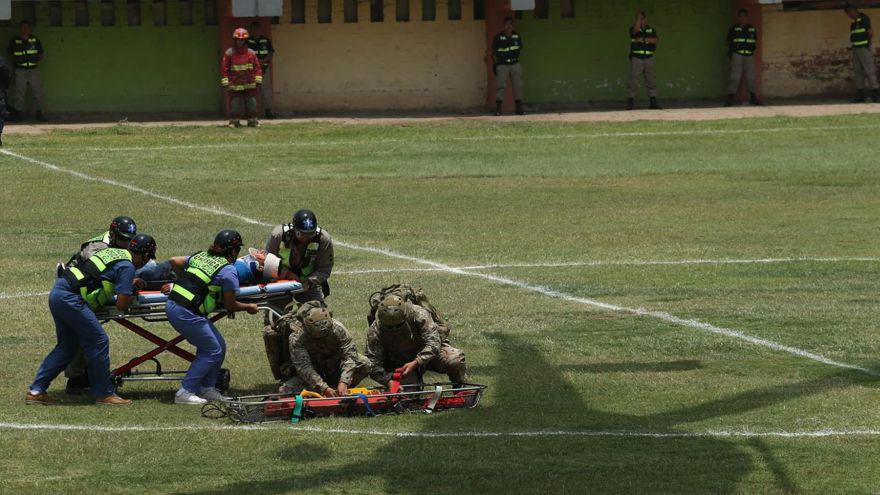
(227, 278)
(120, 274)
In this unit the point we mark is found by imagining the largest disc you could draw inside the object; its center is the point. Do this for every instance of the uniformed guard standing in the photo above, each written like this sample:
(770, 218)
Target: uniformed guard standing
(506, 50)
(742, 42)
(861, 37)
(73, 300)
(643, 44)
(5, 82)
(262, 46)
(27, 52)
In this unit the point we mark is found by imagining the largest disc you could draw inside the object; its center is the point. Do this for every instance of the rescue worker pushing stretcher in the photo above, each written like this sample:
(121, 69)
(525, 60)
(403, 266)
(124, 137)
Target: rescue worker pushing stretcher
(73, 300)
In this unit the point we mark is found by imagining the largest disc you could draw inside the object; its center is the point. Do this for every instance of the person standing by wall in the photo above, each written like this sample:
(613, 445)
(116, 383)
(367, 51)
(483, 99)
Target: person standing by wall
(262, 46)
(861, 36)
(742, 42)
(506, 49)
(642, 46)
(27, 53)
(241, 74)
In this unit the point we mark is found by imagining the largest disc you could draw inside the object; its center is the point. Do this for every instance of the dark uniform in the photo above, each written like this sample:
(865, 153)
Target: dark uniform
(641, 63)
(863, 56)
(26, 56)
(506, 50)
(742, 42)
(262, 46)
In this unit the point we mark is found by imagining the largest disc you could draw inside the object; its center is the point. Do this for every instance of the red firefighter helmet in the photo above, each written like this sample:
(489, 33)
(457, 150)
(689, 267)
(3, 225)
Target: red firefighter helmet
(240, 34)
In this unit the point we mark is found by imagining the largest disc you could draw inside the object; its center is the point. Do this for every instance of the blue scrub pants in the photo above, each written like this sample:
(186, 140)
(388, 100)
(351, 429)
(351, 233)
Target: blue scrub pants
(75, 326)
(209, 344)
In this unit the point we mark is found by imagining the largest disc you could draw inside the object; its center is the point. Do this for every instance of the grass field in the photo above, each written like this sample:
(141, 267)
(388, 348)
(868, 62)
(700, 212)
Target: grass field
(609, 370)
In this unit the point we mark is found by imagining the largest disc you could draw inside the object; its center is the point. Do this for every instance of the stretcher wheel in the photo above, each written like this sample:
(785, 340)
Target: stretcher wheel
(223, 379)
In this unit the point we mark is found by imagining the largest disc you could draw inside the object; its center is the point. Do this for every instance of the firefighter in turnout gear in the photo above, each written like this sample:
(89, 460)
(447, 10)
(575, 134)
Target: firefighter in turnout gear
(742, 42)
(643, 45)
(27, 53)
(323, 355)
(405, 336)
(106, 274)
(262, 46)
(241, 73)
(205, 281)
(506, 49)
(861, 37)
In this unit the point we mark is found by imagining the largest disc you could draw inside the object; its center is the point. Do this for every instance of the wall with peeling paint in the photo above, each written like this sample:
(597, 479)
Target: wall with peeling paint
(807, 53)
(584, 59)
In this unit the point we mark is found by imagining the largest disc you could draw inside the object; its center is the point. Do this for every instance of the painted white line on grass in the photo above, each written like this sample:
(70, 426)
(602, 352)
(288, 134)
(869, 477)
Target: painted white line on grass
(447, 434)
(484, 276)
(18, 295)
(522, 137)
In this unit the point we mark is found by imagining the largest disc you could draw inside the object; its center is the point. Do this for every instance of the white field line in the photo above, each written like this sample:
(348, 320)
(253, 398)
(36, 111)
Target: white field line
(484, 276)
(447, 434)
(563, 264)
(523, 137)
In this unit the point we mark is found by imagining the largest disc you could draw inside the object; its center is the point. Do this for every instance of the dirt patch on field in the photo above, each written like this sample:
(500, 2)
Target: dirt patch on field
(678, 114)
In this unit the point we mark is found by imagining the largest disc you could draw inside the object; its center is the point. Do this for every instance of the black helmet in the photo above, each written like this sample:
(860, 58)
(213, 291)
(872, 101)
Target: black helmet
(123, 228)
(304, 221)
(144, 245)
(226, 242)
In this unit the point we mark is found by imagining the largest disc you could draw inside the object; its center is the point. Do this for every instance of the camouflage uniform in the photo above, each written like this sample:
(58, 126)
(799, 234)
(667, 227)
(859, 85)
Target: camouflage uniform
(323, 262)
(420, 339)
(321, 362)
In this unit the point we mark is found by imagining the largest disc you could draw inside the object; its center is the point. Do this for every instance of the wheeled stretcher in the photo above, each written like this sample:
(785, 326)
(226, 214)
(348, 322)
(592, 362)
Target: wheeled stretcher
(150, 307)
(398, 398)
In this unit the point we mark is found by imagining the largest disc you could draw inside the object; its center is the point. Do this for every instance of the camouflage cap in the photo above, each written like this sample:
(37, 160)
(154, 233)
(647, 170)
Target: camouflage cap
(392, 311)
(318, 322)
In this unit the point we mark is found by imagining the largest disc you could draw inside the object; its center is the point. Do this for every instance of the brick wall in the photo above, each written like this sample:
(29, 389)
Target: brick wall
(368, 65)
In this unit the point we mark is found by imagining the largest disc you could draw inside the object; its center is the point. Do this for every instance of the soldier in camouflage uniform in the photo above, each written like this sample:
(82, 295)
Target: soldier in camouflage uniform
(323, 356)
(404, 335)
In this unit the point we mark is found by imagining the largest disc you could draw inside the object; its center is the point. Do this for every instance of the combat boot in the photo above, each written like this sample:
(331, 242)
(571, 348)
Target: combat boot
(269, 114)
(654, 105)
(875, 95)
(519, 108)
(77, 385)
(497, 108)
(753, 100)
(729, 101)
(233, 123)
(630, 104)
(860, 97)
(253, 122)
(40, 116)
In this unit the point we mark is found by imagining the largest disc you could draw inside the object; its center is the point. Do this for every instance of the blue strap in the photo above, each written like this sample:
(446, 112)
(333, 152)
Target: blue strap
(297, 410)
(367, 409)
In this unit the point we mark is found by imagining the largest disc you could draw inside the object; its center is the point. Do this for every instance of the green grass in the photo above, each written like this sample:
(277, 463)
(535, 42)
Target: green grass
(466, 193)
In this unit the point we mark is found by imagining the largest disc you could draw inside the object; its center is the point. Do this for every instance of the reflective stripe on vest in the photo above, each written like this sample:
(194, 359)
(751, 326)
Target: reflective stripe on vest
(195, 289)
(310, 254)
(646, 48)
(94, 290)
(858, 33)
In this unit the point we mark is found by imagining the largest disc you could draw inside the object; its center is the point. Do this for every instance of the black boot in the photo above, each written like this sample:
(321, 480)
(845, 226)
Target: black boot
(519, 108)
(875, 95)
(77, 385)
(630, 103)
(860, 97)
(269, 114)
(729, 101)
(40, 116)
(497, 107)
(654, 105)
(753, 100)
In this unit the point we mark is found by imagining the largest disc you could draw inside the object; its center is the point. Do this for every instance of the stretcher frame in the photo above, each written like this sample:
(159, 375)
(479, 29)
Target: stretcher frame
(150, 307)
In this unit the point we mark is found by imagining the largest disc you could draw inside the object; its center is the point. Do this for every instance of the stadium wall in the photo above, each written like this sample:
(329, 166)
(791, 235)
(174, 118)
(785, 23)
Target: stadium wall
(379, 65)
(93, 67)
(582, 58)
(807, 52)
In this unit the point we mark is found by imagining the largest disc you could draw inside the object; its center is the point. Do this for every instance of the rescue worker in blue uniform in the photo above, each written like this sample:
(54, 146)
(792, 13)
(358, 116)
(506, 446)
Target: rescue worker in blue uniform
(206, 280)
(73, 301)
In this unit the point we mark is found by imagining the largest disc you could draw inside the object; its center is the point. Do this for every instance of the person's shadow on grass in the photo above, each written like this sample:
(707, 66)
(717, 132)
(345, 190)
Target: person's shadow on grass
(554, 462)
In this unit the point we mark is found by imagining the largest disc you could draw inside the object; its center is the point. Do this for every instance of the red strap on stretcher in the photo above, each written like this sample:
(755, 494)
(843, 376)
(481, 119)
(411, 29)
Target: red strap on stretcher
(394, 384)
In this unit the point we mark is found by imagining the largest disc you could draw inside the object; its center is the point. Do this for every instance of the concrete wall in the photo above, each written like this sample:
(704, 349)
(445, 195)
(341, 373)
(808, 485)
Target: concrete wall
(379, 65)
(807, 52)
(123, 69)
(584, 58)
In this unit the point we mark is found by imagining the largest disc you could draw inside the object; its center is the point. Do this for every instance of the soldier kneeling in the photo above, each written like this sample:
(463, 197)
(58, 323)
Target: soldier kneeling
(323, 356)
(404, 335)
